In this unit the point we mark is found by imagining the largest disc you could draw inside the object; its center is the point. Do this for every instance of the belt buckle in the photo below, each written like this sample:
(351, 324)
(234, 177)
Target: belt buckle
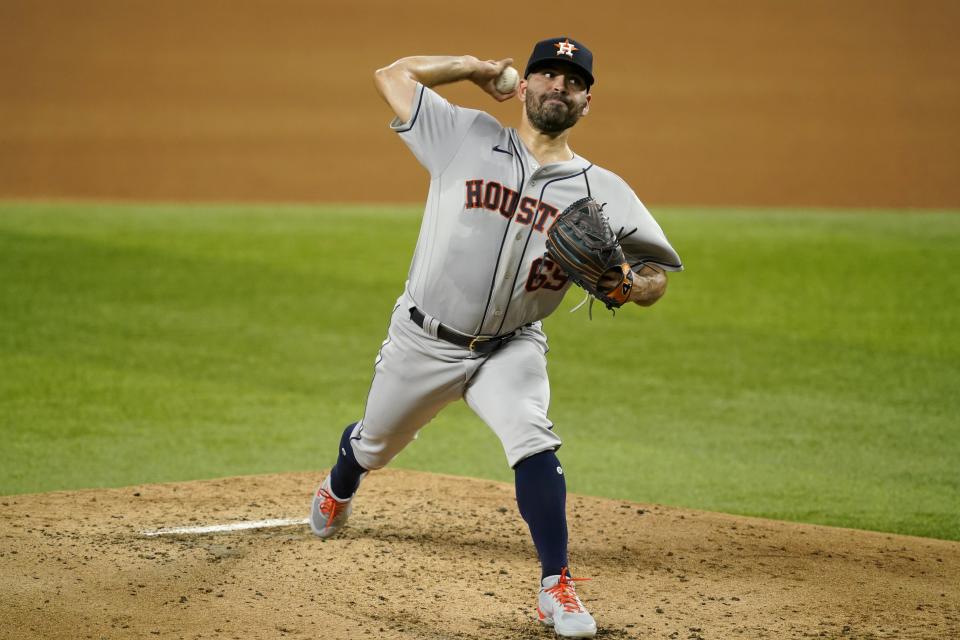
(476, 339)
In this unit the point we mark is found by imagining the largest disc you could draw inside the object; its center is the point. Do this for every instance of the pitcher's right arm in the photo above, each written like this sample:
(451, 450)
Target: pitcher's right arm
(397, 83)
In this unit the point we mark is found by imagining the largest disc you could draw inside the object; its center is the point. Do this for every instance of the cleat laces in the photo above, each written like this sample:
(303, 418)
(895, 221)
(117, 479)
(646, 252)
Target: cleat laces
(565, 594)
(330, 507)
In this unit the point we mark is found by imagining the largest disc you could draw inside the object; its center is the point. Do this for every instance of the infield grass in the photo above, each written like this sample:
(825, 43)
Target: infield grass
(806, 366)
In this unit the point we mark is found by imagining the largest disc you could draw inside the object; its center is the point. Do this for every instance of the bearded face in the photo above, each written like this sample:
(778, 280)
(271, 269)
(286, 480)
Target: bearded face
(552, 111)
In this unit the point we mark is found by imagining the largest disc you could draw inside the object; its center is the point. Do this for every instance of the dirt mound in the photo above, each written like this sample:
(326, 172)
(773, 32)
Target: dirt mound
(429, 556)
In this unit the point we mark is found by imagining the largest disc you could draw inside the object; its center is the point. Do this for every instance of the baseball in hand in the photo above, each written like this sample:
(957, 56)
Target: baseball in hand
(507, 81)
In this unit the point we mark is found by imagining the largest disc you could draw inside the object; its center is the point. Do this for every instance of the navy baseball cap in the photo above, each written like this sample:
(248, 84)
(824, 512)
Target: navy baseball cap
(564, 50)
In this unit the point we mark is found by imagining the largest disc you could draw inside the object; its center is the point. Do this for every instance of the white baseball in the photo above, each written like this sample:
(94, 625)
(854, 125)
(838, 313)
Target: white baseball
(507, 81)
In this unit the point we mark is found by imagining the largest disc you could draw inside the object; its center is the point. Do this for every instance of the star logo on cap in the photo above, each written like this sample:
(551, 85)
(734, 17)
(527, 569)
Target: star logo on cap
(565, 48)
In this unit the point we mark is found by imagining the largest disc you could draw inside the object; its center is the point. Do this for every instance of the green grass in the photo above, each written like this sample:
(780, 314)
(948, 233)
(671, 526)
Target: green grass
(806, 366)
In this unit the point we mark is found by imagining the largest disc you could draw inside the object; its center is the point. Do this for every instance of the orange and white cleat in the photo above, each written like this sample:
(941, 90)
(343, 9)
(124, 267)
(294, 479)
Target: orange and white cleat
(558, 606)
(328, 513)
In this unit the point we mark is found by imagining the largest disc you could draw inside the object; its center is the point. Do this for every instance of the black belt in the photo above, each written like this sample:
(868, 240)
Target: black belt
(477, 344)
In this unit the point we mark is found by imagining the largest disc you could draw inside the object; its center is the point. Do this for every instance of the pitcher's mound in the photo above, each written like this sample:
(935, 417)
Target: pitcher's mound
(430, 557)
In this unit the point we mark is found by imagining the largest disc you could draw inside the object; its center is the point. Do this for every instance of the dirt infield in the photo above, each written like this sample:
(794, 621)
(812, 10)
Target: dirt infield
(757, 102)
(430, 557)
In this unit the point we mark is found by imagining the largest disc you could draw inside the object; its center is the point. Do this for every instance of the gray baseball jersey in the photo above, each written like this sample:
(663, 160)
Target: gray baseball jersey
(479, 266)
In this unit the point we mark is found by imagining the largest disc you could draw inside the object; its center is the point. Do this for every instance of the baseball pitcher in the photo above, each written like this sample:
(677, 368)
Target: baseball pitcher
(513, 217)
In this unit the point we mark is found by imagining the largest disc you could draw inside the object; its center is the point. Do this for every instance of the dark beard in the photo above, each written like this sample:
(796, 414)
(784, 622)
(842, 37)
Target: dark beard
(550, 118)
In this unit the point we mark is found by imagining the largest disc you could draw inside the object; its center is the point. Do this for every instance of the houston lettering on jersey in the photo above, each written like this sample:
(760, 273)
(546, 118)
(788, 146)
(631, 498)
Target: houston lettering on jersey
(493, 196)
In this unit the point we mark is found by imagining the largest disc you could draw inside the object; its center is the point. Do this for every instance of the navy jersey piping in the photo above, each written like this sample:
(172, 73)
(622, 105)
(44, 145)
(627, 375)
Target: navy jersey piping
(656, 261)
(527, 243)
(503, 241)
(416, 113)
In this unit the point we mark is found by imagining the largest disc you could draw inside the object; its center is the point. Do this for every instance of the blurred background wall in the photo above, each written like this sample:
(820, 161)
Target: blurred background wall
(756, 102)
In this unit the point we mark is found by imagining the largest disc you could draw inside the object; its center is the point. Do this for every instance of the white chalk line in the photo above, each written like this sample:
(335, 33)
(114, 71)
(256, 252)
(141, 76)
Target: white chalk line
(222, 528)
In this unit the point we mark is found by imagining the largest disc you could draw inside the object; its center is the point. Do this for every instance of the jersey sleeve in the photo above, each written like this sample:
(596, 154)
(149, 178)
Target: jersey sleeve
(436, 130)
(649, 243)
(643, 239)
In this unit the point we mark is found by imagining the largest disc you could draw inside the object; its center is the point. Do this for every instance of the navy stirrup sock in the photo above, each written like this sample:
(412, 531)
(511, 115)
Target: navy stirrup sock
(542, 498)
(346, 474)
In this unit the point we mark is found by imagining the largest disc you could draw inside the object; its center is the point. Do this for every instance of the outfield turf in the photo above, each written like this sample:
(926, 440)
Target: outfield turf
(806, 366)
